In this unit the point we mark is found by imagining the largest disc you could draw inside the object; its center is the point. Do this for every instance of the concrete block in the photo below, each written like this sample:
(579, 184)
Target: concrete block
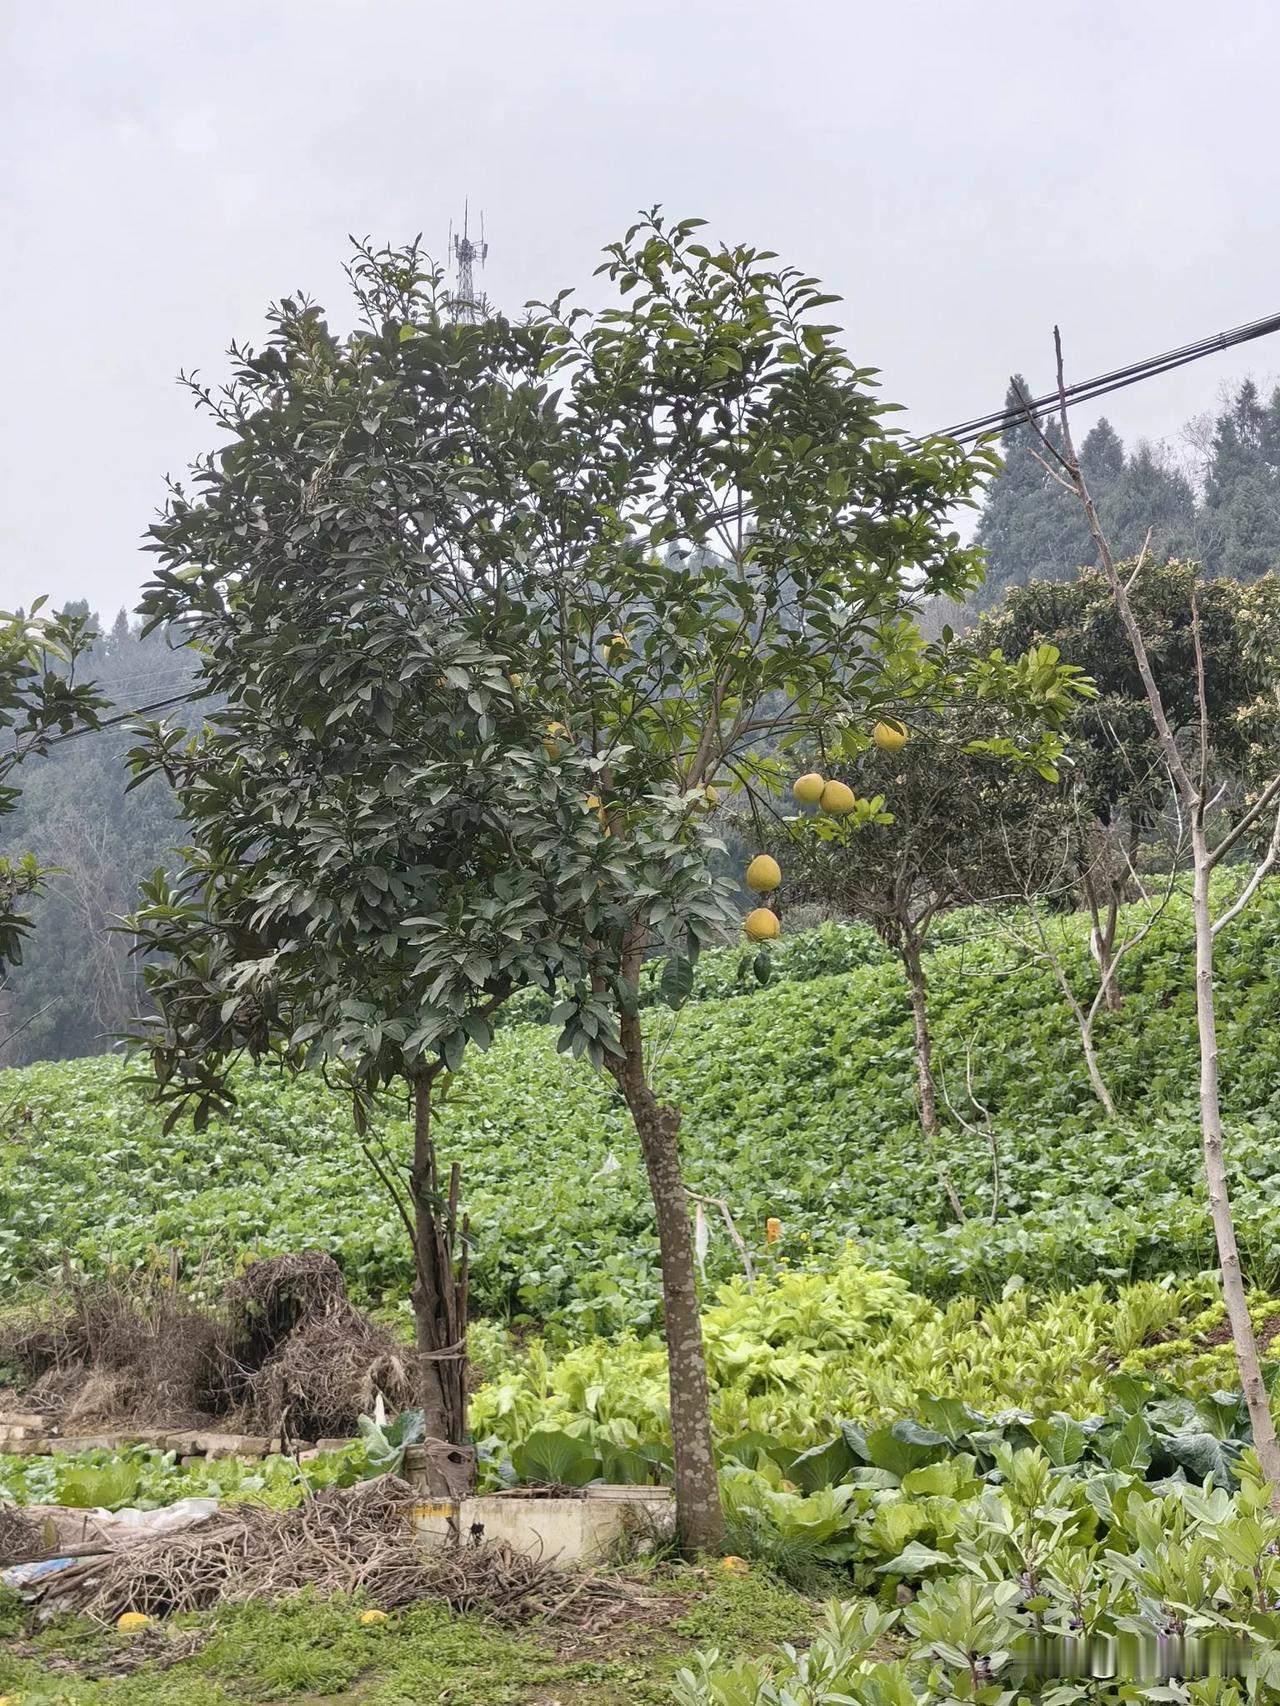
(589, 1527)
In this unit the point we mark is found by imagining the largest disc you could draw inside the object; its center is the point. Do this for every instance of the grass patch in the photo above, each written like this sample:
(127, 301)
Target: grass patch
(312, 1651)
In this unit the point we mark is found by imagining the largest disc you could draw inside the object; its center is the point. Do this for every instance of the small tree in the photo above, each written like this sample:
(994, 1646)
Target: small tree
(1191, 777)
(494, 606)
(939, 825)
(387, 845)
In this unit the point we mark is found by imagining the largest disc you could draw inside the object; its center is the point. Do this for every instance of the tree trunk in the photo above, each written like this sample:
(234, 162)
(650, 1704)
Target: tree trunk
(1100, 874)
(1105, 942)
(439, 1294)
(699, 1518)
(911, 960)
(1242, 1334)
(924, 1042)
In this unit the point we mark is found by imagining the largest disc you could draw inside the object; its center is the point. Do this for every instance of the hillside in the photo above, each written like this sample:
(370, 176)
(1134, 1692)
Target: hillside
(798, 1104)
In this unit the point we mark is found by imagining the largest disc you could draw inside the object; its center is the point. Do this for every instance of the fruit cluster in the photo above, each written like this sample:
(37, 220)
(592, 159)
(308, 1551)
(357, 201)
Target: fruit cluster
(836, 799)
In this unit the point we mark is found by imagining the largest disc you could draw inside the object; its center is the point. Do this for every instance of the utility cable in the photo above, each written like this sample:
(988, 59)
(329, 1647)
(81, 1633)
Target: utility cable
(965, 432)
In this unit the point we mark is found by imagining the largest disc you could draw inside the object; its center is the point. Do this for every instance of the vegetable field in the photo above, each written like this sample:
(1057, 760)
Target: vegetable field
(799, 1105)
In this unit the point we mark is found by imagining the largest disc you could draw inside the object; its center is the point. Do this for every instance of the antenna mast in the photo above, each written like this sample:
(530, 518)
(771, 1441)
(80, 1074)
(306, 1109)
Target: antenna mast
(465, 305)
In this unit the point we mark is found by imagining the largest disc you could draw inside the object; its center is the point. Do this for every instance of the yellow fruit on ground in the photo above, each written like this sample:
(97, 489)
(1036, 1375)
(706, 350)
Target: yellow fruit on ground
(762, 925)
(889, 737)
(129, 1622)
(735, 1566)
(837, 799)
(368, 1617)
(763, 874)
(808, 788)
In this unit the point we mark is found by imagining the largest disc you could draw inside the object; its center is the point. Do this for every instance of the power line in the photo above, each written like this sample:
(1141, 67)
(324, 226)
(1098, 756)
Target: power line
(965, 432)
(125, 717)
(1086, 390)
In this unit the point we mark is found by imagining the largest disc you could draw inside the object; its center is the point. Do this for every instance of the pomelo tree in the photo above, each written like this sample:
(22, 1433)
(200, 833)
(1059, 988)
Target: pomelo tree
(938, 823)
(497, 609)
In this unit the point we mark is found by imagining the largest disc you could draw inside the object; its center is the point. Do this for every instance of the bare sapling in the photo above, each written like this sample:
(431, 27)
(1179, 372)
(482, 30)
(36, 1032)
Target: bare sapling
(1191, 778)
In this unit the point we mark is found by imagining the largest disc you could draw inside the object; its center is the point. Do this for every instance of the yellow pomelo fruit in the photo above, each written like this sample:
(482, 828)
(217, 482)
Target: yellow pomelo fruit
(367, 1617)
(808, 789)
(596, 805)
(735, 1566)
(762, 925)
(549, 741)
(837, 799)
(129, 1622)
(517, 681)
(616, 645)
(711, 796)
(763, 873)
(889, 737)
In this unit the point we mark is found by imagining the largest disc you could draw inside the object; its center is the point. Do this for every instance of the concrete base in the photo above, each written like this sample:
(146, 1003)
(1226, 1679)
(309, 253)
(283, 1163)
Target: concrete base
(597, 1525)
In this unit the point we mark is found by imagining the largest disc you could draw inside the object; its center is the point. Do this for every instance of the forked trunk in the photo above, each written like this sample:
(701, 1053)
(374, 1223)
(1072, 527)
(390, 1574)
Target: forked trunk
(1103, 887)
(1112, 999)
(1233, 1293)
(439, 1292)
(699, 1518)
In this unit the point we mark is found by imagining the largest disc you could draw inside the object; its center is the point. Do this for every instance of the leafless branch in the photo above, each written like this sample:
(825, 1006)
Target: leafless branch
(748, 1266)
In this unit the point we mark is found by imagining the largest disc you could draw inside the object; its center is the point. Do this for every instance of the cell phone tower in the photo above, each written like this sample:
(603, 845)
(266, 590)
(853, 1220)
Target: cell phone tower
(465, 305)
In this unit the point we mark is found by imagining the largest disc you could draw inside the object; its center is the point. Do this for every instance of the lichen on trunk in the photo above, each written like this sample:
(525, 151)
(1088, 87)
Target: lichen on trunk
(699, 1518)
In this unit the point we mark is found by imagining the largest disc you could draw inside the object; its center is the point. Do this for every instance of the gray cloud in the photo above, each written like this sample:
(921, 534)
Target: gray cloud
(963, 172)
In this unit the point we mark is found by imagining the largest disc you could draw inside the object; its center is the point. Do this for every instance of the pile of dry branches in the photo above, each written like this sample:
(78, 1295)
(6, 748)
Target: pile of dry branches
(300, 1360)
(135, 1348)
(20, 1537)
(286, 1354)
(350, 1541)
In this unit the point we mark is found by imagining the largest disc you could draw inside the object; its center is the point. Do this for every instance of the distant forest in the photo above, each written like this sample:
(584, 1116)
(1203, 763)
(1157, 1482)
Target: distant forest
(78, 985)
(1216, 501)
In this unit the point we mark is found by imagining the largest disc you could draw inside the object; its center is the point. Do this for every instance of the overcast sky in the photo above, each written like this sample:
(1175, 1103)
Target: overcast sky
(962, 172)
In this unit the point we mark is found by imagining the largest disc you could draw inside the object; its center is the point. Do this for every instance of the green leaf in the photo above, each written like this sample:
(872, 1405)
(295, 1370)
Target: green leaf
(1063, 1439)
(915, 1560)
(107, 1486)
(823, 1465)
(1129, 1448)
(905, 1446)
(1203, 1455)
(552, 1458)
(623, 1467)
(677, 981)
